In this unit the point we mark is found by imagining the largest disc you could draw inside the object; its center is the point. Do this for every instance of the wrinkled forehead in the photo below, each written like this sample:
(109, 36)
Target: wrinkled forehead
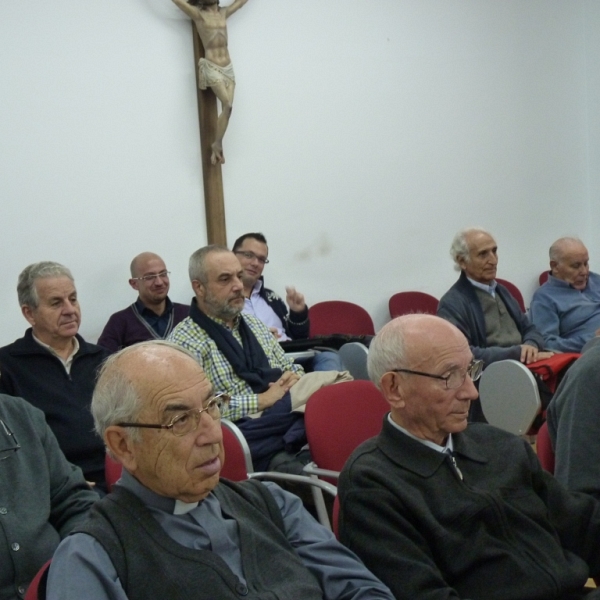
(480, 241)
(441, 347)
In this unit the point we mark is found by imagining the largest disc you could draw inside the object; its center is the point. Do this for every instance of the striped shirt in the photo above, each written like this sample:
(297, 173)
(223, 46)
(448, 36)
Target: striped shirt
(218, 369)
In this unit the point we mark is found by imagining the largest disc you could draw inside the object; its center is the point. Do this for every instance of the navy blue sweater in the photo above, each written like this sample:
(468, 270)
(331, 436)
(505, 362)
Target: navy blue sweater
(28, 370)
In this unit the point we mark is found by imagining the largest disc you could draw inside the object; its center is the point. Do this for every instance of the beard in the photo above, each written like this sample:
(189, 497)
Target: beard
(221, 309)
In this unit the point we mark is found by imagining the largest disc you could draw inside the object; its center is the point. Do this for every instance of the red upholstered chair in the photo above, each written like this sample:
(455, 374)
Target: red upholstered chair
(237, 466)
(37, 587)
(405, 303)
(338, 418)
(544, 449)
(337, 316)
(544, 277)
(112, 471)
(514, 292)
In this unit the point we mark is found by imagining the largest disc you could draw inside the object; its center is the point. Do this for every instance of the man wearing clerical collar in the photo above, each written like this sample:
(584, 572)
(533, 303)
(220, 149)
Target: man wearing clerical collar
(440, 508)
(171, 528)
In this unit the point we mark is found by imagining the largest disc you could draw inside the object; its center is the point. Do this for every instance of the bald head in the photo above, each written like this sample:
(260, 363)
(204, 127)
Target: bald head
(132, 375)
(422, 365)
(150, 278)
(569, 262)
(408, 339)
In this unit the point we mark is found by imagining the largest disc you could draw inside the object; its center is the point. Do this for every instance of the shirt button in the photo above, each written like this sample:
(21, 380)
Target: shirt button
(15, 546)
(241, 589)
(3, 510)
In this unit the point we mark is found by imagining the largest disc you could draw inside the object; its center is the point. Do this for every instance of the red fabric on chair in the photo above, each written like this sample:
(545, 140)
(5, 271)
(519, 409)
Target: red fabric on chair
(514, 292)
(543, 277)
(37, 587)
(405, 303)
(338, 316)
(235, 466)
(551, 370)
(543, 446)
(339, 417)
(112, 471)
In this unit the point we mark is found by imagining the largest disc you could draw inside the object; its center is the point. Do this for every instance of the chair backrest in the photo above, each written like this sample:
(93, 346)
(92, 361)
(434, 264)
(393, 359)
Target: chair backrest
(509, 396)
(339, 417)
(406, 303)
(338, 316)
(354, 357)
(544, 449)
(112, 471)
(543, 277)
(514, 292)
(37, 587)
(238, 463)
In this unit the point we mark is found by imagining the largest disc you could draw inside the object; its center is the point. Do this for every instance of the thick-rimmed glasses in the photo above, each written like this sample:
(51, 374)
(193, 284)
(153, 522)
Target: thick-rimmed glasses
(8, 441)
(152, 276)
(251, 256)
(454, 379)
(190, 419)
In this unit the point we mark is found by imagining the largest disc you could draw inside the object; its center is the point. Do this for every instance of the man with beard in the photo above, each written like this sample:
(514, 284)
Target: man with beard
(152, 315)
(242, 358)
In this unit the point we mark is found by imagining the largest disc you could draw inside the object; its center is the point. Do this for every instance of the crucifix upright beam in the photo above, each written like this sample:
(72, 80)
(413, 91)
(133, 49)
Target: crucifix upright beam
(214, 200)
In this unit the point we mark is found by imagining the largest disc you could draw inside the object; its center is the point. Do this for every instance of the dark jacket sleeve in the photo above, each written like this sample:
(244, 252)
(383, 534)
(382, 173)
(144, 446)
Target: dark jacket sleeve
(111, 337)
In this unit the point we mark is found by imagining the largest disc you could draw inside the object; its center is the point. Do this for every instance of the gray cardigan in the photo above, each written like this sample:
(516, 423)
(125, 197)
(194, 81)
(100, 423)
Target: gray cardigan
(42, 496)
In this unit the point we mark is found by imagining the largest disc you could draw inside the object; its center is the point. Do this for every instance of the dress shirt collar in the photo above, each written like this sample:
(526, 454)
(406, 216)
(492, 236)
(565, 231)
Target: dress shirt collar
(448, 447)
(146, 312)
(152, 499)
(67, 362)
(490, 289)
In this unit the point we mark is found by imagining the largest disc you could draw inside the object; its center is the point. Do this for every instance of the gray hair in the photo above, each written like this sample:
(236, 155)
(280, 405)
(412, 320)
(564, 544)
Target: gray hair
(197, 265)
(116, 398)
(387, 351)
(460, 249)
(26, 290)
(556, 250)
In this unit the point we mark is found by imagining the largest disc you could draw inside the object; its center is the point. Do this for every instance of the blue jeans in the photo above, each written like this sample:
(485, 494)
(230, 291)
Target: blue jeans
(323, 361)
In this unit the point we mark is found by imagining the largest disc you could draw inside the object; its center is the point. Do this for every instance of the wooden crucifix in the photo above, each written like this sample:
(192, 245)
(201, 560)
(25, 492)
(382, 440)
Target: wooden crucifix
(215, 79)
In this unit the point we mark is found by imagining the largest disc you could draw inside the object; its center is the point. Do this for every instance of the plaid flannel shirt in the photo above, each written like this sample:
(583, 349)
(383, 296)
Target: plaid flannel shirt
(219, 371)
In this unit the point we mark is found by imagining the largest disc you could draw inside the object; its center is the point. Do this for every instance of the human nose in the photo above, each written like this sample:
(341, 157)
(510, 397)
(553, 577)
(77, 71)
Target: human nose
(468, 390)
(208, 430)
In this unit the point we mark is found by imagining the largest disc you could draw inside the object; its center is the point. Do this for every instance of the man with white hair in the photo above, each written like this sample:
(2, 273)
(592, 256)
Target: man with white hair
(566, 309)
(171, 528)
(439, 508)
(484, 310)
(53, 367)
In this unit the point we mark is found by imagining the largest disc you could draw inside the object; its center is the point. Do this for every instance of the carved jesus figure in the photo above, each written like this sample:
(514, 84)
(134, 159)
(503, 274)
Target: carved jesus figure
(215, 70)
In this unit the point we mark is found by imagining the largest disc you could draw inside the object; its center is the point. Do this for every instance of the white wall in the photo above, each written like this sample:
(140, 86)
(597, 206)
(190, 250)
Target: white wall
(363, 136)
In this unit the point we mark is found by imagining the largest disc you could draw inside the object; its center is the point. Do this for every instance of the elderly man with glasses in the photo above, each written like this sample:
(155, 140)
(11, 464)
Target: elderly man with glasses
(253, 253)
(152, 316)
(171, 528)
(42, 496)
(439, 508)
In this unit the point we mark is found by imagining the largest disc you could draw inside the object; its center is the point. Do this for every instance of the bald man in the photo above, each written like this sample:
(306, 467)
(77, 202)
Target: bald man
(566, 309)
(439, 508)
(152, 316)
(171, 528)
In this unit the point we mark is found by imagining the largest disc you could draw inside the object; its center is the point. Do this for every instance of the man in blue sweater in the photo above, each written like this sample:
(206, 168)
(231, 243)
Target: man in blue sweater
(53, 367)
(566, 309)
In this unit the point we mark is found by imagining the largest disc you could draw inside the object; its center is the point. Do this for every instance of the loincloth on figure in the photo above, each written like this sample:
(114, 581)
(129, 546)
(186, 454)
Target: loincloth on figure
(209, 74)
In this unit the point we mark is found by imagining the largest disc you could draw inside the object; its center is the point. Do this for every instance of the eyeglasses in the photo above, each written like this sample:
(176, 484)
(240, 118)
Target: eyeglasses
(251, 256)
(189, 420)
(455, 378)
(150, 278)
(8, 444)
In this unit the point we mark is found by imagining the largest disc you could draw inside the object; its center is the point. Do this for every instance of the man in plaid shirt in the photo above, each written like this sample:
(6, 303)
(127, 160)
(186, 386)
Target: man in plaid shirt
(241, 357)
